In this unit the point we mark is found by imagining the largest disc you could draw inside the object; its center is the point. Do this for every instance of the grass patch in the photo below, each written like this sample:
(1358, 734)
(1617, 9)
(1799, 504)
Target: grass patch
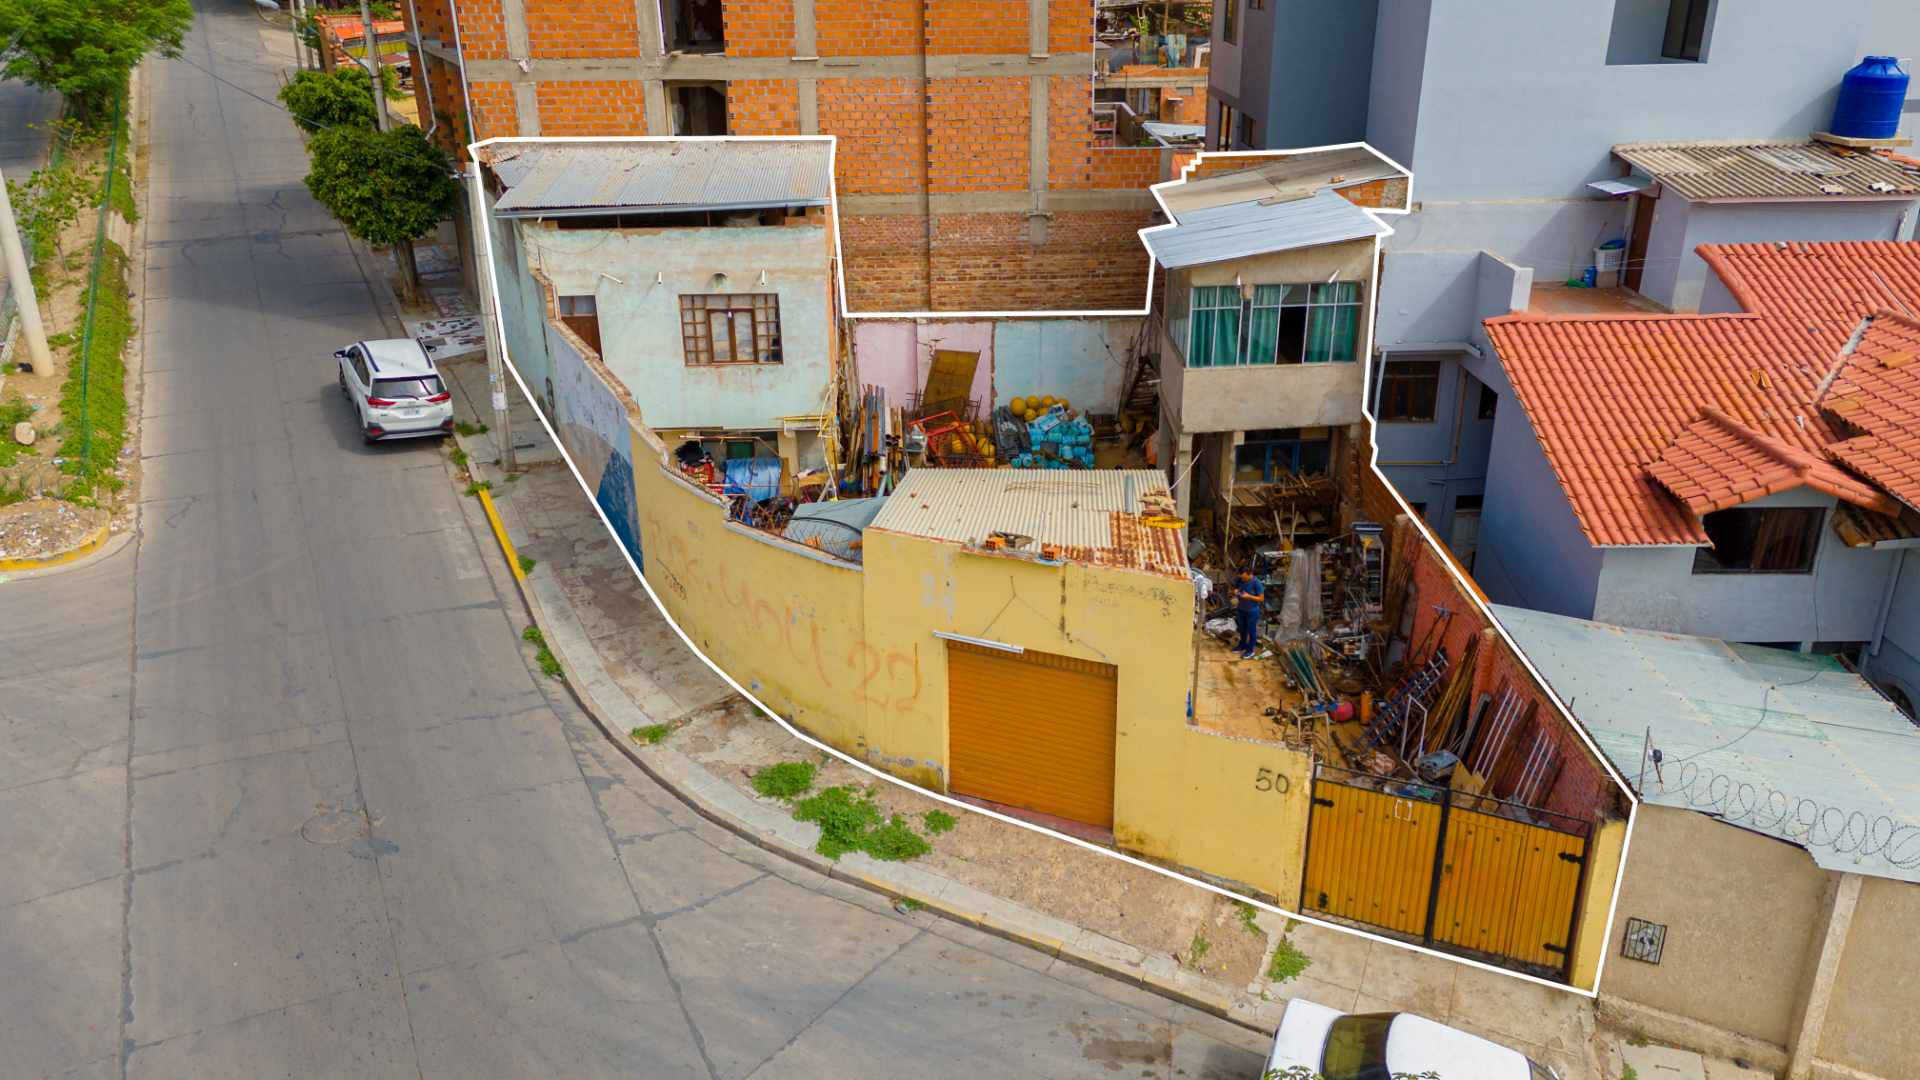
(1246, 913)
(549, 664)
(652, 734)
(527, 564)
(1198, 948)
(1629, 1073)
(937, 822)
(457, 456)
(12, 411)
(851, 820)
(908, 903)
(465, 428)
(93, 402)
(1637, 1038)
(479, 486)
(786, 780)
(1287, 961)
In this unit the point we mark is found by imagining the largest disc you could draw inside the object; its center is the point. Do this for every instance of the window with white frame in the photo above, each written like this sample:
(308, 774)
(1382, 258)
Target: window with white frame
(1284, 324)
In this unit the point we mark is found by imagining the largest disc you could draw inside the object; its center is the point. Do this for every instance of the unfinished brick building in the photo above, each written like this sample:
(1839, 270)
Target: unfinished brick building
(969, 175)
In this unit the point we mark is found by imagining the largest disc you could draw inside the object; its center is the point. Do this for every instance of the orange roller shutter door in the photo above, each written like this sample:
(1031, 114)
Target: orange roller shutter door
(1032, 730)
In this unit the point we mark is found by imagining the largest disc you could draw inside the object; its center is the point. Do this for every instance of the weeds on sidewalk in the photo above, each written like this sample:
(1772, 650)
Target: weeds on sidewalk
(851, 820)
(479, 486)
(784, 780)
(937, 822)
(1629, 1073)
(458, 457)
(465, 428)
(12, 411)
(1287, 961)
(652, 734)
(527, 563)
(549, 664)
(1197, 949)
(1246, 913)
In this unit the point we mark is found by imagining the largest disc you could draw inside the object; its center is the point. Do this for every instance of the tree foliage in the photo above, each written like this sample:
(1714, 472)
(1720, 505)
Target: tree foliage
(85, 49)
(320, 100)
(386, 187)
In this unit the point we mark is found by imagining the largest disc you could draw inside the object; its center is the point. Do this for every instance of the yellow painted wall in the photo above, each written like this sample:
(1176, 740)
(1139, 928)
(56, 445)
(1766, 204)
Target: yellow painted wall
(1590, 925)
(1231, 808)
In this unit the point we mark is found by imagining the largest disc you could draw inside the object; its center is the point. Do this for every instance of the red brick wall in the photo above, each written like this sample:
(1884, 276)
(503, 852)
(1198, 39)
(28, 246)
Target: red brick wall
(443, 82)
(1073, 161)
(1184, 104)
(886, 262)
(758, 27)
(882, 126)
(582, 28)
(592, 107)
(1580, 788)
(977, 134)
(436, 19)
(483, 31)
(1069, 26)
(988, 262)
(492, 111)
(977, 26)
(763, 107)
(867, 28)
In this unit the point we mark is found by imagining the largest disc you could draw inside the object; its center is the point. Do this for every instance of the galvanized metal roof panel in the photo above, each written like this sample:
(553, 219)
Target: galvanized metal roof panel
(1093, 516)
(681, 174)
(1770, 169)
(1218, 233)
(1790, 745)
(1277, 176)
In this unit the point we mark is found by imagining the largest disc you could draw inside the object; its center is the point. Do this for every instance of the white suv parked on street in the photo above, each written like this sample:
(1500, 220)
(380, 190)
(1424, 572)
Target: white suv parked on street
(395, 389)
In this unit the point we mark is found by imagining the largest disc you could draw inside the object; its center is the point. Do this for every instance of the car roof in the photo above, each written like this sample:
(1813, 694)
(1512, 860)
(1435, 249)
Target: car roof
(399, 356)
(1416, 1044)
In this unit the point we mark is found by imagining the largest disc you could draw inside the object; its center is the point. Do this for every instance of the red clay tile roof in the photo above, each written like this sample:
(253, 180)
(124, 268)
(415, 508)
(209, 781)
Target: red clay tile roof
(1877, 394)
(1718, 463)
(1608, 394)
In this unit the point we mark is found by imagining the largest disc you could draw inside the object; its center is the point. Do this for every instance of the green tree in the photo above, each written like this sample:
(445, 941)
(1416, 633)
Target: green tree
(319, 100)
(85, 49)
(388, 188)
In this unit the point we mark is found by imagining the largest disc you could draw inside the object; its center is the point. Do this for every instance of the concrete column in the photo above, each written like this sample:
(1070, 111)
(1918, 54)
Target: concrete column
(646, 20)
(526, 103)
(1833, 944)
(513, 14)
(809, 96)
(1038, 130)
(1181, 458)
(1036, 27)
(805, 37)
(653, 98)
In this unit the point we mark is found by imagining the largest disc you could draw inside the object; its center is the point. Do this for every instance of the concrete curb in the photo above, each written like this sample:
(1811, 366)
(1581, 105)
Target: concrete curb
(772, 830)
(94, 541)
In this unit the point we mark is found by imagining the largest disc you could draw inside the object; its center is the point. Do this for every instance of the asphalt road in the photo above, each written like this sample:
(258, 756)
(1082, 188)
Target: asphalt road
(281, 796)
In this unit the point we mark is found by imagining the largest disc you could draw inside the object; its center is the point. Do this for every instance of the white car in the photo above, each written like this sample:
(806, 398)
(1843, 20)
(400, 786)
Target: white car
(395, 389)
(1333, 1045)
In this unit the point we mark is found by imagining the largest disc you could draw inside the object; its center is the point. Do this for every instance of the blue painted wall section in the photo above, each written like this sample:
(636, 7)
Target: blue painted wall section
(593, 427)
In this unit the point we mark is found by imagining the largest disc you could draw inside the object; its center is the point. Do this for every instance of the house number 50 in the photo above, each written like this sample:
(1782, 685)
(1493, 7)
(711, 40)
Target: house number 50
(1268, 780)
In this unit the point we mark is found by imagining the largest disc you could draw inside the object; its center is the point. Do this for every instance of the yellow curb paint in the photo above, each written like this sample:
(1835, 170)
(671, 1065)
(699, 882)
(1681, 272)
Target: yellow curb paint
(500, 533)
(86, 547)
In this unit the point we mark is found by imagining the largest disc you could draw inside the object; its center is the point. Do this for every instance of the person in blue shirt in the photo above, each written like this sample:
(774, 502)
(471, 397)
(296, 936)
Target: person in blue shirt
(1249, 595)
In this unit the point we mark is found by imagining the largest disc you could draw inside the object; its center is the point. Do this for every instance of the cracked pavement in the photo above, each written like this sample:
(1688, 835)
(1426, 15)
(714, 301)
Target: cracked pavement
(281, 795)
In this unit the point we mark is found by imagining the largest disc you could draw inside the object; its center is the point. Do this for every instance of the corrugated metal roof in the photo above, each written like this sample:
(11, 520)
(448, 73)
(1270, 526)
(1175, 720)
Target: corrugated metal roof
(1276, 176)
(1218, 233)
(1093, 515)
(1786, 744)
(1769, 169)
(555, 179)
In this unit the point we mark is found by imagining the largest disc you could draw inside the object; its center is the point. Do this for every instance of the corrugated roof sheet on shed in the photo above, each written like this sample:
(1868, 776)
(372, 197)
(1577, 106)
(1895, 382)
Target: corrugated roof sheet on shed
(1763, 729)
(1769, 169)
(1218, 233)
(682, 174)
(1093, 515)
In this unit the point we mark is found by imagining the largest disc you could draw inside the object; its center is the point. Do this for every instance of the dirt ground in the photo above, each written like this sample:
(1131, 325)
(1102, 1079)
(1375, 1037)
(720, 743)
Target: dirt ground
(1148, 910)
(45, 527)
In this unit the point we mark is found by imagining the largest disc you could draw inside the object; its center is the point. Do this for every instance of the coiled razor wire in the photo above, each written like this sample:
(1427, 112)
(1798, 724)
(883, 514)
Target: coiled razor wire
(1802, 820)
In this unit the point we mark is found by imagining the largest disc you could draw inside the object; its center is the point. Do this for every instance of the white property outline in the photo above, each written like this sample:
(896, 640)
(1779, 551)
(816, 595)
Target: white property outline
(1466, 585)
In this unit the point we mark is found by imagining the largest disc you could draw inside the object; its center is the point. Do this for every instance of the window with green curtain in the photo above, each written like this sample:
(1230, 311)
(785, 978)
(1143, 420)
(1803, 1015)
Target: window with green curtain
(1216, 326)
(1263, 324)
(1333, 323)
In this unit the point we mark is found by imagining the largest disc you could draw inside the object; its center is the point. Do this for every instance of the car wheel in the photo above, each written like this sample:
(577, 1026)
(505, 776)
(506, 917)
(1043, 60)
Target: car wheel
(368, 437)
(344, 392)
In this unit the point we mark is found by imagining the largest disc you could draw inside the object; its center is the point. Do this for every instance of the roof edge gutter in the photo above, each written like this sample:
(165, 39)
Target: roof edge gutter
(664, 208)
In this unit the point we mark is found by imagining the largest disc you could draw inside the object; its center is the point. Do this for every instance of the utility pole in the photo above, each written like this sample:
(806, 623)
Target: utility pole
(299, 47)
(490, 328)
(374, 67)
(38, 358)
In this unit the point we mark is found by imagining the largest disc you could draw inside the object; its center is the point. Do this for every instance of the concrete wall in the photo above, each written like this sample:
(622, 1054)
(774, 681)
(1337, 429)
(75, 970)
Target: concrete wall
(522, 309)
(1896, 661)
(1397, 76)
(1082, 360)
(1870, 1019)
(1437, 462)
(1655, 588)
(897, 354)
(1742, 913)
(1676, 274)
(592, 423)
(1272, 395)
(640, 317)
(1532, 552)
(1312, 55)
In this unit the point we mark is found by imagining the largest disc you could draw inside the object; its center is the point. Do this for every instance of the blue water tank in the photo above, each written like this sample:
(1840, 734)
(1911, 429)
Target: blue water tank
(1871, 97)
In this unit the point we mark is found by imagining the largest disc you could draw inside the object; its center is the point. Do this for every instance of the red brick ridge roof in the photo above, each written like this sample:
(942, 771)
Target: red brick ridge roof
(1608, 395)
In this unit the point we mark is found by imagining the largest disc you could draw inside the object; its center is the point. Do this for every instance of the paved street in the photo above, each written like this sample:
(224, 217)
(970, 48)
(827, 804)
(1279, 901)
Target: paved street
(280, 794)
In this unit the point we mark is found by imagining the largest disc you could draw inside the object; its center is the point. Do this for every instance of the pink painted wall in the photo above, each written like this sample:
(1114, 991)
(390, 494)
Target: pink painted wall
(897, 355)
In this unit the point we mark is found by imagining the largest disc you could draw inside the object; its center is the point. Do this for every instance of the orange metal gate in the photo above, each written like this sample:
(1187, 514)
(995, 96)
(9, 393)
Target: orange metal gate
(1033, 730)
(1451, 875)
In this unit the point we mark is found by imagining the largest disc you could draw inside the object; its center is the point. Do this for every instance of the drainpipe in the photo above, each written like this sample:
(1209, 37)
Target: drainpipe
(421, 77)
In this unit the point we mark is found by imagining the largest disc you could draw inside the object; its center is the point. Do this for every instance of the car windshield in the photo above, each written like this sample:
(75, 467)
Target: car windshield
(1357, 1048)
(421, 386)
